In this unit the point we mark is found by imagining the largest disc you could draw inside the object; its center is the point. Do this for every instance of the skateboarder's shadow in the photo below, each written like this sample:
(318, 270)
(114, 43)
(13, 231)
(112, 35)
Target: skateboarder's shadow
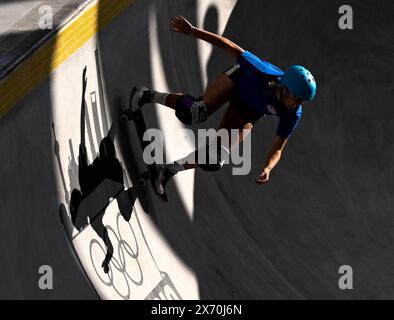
(100, 182)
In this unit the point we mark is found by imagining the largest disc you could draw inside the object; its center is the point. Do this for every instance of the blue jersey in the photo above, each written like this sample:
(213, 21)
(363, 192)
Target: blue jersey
(253, 91)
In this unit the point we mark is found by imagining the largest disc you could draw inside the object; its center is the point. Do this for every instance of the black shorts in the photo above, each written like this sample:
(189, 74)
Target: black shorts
(249, 114)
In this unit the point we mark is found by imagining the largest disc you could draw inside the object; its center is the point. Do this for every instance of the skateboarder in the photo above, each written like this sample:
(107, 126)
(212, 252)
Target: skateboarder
(253, 88)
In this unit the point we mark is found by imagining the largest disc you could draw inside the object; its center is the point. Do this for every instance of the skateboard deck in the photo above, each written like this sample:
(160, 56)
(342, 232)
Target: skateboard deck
(140, 125)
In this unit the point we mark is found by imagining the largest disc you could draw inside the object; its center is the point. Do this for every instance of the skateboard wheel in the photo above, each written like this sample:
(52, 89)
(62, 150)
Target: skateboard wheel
(142, 183)
(124, 118)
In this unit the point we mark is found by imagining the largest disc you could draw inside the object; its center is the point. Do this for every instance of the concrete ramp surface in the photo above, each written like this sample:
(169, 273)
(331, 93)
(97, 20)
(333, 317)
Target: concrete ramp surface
(75, 222)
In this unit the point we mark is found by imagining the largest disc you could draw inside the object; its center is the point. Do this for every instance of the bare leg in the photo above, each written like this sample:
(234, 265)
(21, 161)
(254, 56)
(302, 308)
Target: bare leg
(215, 96)
(220, 92)
(232, 119)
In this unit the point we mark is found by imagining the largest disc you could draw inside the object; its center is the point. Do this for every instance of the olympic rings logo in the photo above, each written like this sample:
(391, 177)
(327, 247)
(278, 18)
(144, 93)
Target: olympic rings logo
(125, 257)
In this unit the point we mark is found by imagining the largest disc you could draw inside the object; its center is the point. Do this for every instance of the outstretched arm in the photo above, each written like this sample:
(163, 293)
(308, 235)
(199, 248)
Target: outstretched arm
(273, 158)
(181, 25)
(83, 157)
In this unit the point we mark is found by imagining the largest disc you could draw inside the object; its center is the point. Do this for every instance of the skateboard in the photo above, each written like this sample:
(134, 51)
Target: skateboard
(151, 173)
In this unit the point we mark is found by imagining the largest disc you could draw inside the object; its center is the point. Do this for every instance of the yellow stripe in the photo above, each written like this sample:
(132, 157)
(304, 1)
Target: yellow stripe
(56, 51)
(44, 56)
(50, 60)
(50, 55)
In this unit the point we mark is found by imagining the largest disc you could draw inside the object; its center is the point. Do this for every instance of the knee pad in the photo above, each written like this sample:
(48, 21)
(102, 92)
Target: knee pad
(215, 159)
(190, 110)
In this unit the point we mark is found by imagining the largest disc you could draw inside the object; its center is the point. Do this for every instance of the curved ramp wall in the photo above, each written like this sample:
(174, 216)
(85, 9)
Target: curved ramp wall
(220, 236)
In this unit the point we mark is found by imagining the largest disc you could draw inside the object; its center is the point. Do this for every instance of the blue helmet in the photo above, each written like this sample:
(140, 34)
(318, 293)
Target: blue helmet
(300, 82)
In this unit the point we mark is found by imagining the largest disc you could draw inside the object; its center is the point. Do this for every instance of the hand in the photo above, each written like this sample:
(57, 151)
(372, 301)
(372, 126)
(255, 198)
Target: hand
(181, 25)
(105, 265)
(264, 176)
(84, 80)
